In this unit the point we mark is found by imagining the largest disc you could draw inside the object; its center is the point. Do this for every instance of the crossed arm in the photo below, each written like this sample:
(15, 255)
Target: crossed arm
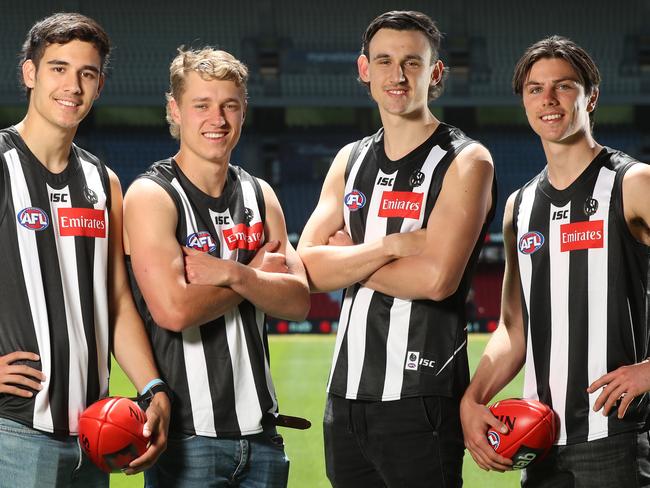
(215, 285)
(421, 264)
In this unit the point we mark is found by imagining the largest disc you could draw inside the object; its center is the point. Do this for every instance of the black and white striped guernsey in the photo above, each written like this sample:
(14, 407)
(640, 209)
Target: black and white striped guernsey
(583, 283)
(219, 371)
(53, 291)
(388, 348)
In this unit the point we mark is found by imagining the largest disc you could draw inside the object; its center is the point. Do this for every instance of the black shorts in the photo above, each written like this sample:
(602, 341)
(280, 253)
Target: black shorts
(410, 443)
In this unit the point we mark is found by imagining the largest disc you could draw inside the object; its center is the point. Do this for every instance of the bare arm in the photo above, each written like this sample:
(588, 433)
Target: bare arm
(131, 345)
(452, 230)
(333, 267)
(503, 357)
(279, 287)
(157, 260)
(636, 187)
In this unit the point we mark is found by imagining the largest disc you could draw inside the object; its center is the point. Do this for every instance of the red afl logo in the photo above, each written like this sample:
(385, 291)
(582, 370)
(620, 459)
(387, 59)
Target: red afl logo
(494, 439)
(201, 241)
(354, 200)
(33, 218)
(531, 242)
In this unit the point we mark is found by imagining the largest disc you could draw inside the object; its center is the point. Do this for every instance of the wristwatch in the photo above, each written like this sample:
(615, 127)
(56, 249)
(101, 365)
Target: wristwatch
(144, 399)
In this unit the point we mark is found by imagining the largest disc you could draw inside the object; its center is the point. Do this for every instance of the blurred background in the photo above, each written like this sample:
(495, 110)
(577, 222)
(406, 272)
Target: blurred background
(305, 102)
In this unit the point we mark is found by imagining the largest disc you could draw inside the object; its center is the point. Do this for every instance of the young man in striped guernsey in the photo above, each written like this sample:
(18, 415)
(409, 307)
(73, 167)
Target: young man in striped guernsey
(64, 292)
(209, 257)
(574, 310)
(399, 222)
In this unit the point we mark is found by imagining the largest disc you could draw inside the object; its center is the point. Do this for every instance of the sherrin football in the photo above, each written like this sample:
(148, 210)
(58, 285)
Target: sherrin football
(110, 433)
(532, 431)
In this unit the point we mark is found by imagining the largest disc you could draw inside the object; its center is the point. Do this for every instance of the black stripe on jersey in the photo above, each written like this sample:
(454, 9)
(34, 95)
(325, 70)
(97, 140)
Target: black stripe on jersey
(577, 400)
(378, 323)
(540, 298)
(5, 189)
(339, 380)
(220, 375)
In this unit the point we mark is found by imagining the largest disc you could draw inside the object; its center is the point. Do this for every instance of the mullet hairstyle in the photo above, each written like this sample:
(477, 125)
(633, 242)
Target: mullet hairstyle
(210, 64)
(61, 28)
(407, 20)
(558, 47)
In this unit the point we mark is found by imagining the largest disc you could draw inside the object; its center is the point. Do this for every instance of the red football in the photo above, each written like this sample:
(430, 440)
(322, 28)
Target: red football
(532, 430)
(110, 433)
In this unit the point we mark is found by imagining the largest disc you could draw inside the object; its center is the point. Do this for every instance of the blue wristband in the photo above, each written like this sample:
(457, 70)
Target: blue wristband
(154, 382)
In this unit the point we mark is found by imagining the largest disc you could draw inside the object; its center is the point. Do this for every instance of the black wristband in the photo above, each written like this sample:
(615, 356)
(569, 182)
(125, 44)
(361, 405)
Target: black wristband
(144, 400)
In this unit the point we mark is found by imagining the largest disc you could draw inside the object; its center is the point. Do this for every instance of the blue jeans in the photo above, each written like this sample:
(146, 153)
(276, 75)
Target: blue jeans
(256, 461)
(617, 461)
(35, 459)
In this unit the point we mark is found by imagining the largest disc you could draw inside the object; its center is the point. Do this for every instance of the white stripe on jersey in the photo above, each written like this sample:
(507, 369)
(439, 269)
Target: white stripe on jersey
(559, 282)
(94, 180)
(34, 285)
(400, 312)
(78, 349)
(195, 364)
(597, 296)
(357, 340)
(525, 273)
(349, 184)
(340, 334)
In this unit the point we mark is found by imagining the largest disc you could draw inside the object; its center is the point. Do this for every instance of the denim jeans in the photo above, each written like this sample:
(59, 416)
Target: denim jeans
(33, 459)
(256, 461)
(617, 461)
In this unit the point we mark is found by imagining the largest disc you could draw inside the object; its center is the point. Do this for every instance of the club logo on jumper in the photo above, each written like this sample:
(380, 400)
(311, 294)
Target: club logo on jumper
(494, 439)
(33, 218)
(591, 206)
(248, 215)
(201, 241)
(405, 204)
(412, 358)
(83, 222)
(531, 242)
(417, 178)
(354, 200)
(90, 195)
(581, 235)
(243, 236)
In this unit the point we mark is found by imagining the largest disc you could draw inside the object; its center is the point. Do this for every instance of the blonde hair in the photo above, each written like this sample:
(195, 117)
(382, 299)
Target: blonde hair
(210, 64)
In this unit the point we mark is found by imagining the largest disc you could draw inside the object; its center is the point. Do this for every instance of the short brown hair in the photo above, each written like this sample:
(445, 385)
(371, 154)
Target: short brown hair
(61, 28)
(402, 20)
(210, 64)
(562, 48)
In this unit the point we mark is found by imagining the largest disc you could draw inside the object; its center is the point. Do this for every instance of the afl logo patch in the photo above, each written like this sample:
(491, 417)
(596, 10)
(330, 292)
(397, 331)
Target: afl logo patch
(354, 200)
(591, 206)
(201, 241)
(33, 218)
(531, 242)
(494, 439)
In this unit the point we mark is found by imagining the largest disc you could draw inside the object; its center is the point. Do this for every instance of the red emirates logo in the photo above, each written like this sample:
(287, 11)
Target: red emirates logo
(403, 204)
(84, 222)
(581, 235)
(242, 236)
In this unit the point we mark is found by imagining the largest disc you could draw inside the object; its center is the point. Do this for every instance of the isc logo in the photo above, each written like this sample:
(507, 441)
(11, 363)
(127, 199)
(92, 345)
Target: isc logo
(222, 220)
(201, 241)
(33, 218)
(58, 197)
(560, 215)
(385, 181)
(531, 242)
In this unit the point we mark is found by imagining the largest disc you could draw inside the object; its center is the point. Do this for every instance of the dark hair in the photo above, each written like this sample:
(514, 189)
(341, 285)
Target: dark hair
(407, 20)
(61, 28)
(562, 48)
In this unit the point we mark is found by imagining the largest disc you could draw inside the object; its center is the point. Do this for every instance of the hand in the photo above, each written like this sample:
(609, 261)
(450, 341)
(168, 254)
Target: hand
(202, 268)
(156, 429)
(404, 244)
(267, 259)
(340, 238)
(477, 420)
(624, 384)
(20, 379)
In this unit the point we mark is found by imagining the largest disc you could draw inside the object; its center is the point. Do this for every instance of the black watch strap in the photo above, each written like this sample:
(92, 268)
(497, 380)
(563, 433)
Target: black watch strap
(144, 399)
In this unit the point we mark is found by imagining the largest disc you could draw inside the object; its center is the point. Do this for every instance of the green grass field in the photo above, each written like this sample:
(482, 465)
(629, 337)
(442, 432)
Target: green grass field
(300, 365)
